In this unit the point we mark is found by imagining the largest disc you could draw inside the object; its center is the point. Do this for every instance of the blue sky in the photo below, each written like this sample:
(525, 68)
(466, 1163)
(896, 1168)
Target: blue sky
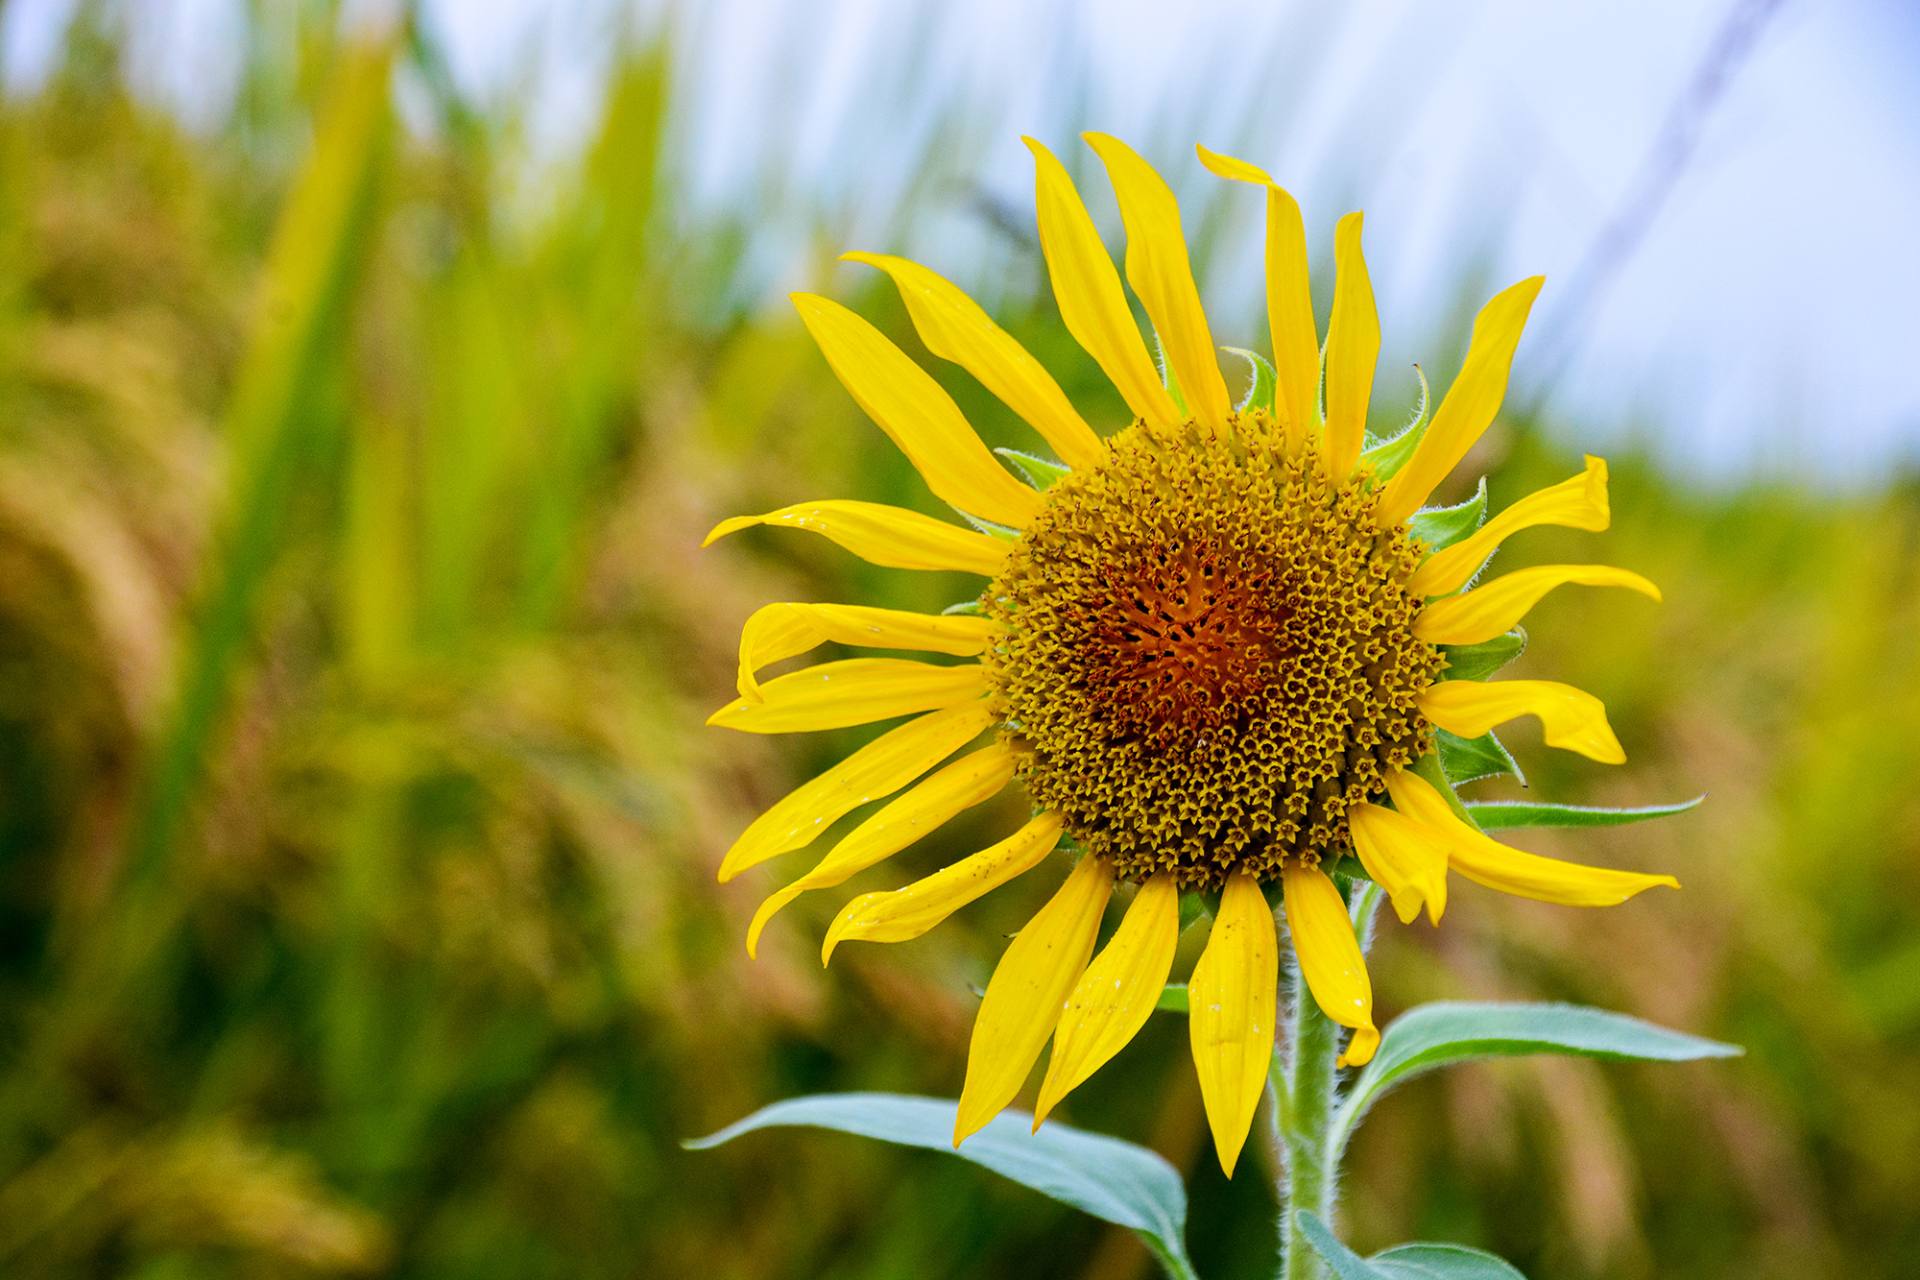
(1766, 320)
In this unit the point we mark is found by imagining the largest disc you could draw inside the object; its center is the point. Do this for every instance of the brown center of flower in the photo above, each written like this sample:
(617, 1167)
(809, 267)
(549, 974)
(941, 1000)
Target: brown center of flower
(1206, 654)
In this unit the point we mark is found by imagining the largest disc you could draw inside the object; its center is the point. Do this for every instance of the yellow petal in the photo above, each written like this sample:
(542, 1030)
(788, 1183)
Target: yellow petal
(955, 328)
(1576, 503)
(1493, 608)
(966, 782)
(1329, 956)
(1087, 289)
(1114, 997)
(1231, 1007)
(1406, 859)
(1162, 277)
(834, 695)
(1486, 861)
(1025, 994)
(907, 404)
(1353, 349)
(887, 536)
(1296, 344)
(1572, 718)
(880, 768)
(778, 631)
(909, 911)
(1470, 403)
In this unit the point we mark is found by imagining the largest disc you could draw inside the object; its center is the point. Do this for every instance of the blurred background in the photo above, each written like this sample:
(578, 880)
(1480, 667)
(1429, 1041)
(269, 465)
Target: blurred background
(369, 378)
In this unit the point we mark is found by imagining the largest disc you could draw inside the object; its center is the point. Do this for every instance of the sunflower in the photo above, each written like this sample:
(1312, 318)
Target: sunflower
(1214, 646)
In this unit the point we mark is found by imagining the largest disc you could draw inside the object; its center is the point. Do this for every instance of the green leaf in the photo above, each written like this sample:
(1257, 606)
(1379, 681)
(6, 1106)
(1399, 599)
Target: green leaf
(1510, 815)
(1114, 1181)
(1478, 661)
(1041, 473)
(1388, 456)
(1173, 998)
(1260, 391)
(1467, 760)
(1346, 1264)
(1442, 1262)
(1443, 526)
(1449, 1032)
(1402, 1262)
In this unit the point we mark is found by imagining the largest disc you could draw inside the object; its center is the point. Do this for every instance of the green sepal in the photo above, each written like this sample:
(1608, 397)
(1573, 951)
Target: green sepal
(1006, 533)
(1402, 1262)
(1260, 392)
(1173, 998)
(1171, 383)
(1041, 473)
(1466, 760)
(1388, 456)
(1511, 815)
(1115, 1181)
(1478, 661)
(964, 609)
(1443, 526)
(1194, 905)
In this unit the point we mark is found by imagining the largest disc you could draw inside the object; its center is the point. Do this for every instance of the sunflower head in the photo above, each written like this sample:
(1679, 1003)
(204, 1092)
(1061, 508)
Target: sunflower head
(1211, 646)
(1205, 655)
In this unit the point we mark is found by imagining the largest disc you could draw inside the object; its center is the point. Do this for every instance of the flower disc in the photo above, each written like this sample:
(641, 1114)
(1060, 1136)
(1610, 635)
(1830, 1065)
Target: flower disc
(1206, 655)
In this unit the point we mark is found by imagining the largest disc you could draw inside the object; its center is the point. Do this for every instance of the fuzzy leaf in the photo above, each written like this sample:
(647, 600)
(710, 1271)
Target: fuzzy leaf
(1041, 473)
(1449, 1032)
(1510, 815)
(1478, 661)
(1443, 526)
(1467, 760)
(1114, 1181)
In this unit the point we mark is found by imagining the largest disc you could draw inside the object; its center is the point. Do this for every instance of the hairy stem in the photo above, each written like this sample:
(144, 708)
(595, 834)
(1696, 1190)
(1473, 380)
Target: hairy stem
(1306, 1085)
(1301, 1082)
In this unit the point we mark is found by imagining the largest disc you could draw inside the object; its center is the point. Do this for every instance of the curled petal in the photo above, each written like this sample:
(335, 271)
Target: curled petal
(1330, 958)
(1232, 1001)
(778, 631)
(1296, 344)
(880, 768)
(1087, 288)
(1162, 277)
(1026, 993)
(1407, 860)
(907, 912)
(887, 536)
(1116, 994)
(907, 404)
(1470, 403)
(955, 328)
(1494, 608)
(1353, 350)
(1572, 718)
(1577, 503)
(834, 695)
(1486, 861)
(966, 782)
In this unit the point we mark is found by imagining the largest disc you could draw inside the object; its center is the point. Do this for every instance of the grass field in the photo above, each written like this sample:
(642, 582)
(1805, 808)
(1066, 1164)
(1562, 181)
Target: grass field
(358, 824)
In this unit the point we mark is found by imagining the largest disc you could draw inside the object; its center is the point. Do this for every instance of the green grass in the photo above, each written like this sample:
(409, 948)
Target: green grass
(358, 827)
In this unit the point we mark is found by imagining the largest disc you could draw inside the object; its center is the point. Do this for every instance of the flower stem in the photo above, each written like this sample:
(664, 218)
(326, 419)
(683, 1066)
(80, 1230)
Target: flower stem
(1301, 1079)
(1305, 1083)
